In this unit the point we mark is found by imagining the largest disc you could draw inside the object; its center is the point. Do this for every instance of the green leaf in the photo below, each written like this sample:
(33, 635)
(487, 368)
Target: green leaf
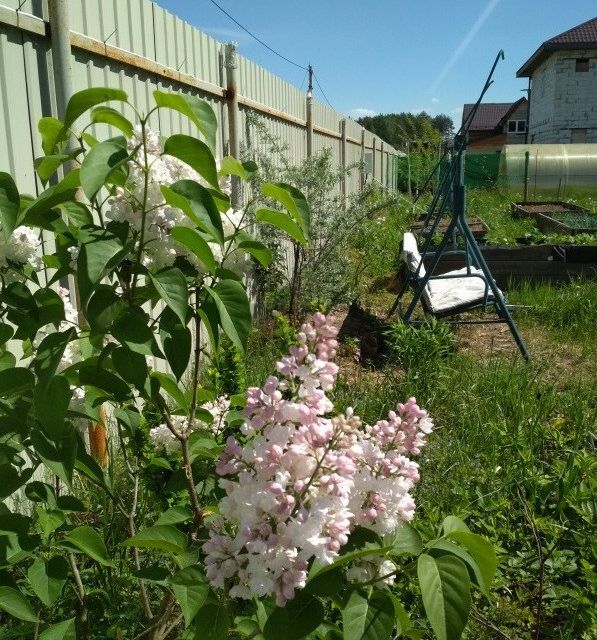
(50, 129)
(200, 206)
(77, 213)
(234, 310)
(328, 584)
(281, 221)
(483, 553)
(171, 284)
(90, 543)
(191, 590)
(51, 401)
(154, 573)
(104, 308)
(164, 537)
(293, 200)
(445, 589)
(61, 631)
(10, 203)
(368, 619)
(64, 630)
(209, 317)
(38, 491)
(101, 251)
(88, 98)
(15, 381)
(193, 241)
(194, 153)
(130, 366)
(175, 515)
(407, 541)
(47, 579)
(453, 523)
(50, 520)
(70, 503)
(198, 111)
(15, 604)
(14, 523)
(39, 213)
(98, 164)
(212, 622)
(58, 456)
(108, 115)
(49, 354)
(170, 386)
(258, 250)
(133, 331)
(232, 167)
(299, 617)
(11, 480)
(176, 342)
(95, 375)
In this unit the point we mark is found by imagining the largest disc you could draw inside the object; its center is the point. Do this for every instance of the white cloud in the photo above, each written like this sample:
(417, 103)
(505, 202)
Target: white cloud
(468, 38)
(227, 35)
(434, 99)
(361, 112)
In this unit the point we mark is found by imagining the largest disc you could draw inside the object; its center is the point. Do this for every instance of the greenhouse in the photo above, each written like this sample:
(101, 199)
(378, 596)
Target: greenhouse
(549, 168)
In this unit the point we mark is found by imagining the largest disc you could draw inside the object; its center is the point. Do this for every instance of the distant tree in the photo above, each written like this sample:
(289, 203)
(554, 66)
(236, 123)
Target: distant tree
(420, 130)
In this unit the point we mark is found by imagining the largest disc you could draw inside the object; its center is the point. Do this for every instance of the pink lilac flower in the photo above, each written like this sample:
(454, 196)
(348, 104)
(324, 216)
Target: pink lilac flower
(300, 481)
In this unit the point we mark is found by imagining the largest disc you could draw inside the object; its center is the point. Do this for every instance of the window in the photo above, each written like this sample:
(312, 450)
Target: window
(582, 65)
(578, 135)
(517, 126)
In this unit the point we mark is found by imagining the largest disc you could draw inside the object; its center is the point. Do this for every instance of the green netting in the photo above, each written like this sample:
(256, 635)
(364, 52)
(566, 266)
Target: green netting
(481, 169)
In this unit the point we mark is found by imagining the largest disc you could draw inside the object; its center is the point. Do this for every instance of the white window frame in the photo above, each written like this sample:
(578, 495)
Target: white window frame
(520, 126)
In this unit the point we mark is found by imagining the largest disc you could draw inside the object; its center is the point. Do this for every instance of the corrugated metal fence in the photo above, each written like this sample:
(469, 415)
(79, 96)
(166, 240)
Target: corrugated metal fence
(138, 46)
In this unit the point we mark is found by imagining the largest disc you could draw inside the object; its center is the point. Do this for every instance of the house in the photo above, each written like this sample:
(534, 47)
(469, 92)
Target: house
(496, 124)
(563, 87)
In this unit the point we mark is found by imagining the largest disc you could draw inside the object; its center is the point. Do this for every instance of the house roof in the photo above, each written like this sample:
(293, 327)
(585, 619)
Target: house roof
(583, 36)
(490, 115)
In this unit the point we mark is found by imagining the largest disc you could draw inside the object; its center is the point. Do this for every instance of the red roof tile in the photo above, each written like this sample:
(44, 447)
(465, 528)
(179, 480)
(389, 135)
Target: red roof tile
(490, 115)
(583, 36)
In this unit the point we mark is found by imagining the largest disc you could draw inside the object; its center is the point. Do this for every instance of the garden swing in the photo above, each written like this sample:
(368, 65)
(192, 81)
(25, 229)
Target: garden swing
(466, 289)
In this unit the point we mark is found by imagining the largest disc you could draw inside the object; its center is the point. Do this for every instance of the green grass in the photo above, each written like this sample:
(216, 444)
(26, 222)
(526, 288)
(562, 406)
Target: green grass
(569, 311)
(512, 453)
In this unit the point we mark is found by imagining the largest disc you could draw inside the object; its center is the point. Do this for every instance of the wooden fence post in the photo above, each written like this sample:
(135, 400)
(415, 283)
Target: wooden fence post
(232, 100)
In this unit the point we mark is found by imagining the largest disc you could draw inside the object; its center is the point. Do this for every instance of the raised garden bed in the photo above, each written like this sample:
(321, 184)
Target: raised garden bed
(544, 263)
(477, 226)
(557, 217)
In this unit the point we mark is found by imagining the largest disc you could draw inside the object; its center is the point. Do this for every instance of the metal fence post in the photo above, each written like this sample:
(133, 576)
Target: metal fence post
(232, 101)
(362, 159)
(343, 160)
(373, 152)
(61, 53)
(310, 113)
(382, 177)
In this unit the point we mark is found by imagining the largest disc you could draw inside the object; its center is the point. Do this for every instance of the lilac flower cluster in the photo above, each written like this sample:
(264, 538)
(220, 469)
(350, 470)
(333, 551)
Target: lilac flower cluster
(160, 249)
(301, 481)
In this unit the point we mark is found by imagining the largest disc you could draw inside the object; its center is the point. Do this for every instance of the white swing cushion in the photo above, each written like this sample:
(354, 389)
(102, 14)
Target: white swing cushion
(449, 293)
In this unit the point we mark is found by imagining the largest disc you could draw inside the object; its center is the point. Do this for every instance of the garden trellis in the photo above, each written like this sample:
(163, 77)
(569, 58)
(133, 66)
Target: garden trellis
(450, 297)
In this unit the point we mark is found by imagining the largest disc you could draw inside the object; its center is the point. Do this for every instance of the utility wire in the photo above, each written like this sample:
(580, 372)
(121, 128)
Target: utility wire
(322, 91)
(236, 22)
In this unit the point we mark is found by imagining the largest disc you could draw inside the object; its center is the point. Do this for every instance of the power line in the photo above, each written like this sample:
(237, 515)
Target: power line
(236, 22)
(322, 91)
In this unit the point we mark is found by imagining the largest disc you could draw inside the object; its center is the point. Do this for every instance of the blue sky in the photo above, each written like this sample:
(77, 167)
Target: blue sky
(392, 55)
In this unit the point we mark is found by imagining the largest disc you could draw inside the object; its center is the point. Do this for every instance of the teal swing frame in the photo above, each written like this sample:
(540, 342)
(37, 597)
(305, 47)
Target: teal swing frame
(450, 197)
